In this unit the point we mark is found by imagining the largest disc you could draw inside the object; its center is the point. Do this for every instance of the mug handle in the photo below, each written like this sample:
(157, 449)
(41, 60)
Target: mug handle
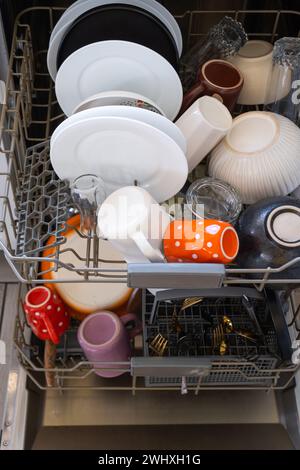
(138, 326)
(51, 330)
(191, 95)
(146, 248)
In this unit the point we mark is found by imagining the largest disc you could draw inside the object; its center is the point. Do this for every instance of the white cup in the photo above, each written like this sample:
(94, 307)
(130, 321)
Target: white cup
(134, 223)
(254, 60)
(203, 124)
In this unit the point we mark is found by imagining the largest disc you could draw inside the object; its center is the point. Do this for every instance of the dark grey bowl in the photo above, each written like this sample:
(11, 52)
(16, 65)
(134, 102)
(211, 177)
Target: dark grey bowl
(270, 237)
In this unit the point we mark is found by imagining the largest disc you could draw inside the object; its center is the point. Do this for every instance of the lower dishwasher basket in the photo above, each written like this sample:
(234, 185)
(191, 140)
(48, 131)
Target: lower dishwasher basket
(246, 365)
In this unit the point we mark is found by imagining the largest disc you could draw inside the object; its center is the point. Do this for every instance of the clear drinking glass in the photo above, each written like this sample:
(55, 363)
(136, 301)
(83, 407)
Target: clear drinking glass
(213, 199)
(88, 194)
(283, 95)
(223, 40)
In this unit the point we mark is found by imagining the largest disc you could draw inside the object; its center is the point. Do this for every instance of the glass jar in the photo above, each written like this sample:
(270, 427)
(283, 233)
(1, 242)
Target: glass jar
(211, 198)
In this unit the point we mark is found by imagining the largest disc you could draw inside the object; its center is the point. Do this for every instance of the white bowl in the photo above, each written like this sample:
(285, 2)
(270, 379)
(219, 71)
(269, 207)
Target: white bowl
(259, 157)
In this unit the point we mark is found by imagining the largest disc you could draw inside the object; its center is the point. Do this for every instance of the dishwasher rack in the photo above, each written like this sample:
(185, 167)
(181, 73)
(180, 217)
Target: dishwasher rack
(34, 204)
(268, 367)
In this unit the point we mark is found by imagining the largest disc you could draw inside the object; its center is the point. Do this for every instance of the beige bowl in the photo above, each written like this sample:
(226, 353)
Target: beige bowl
(259, 157)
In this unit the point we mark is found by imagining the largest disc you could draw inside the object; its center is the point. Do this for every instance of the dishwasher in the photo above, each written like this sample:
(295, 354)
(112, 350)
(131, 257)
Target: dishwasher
(246, 399)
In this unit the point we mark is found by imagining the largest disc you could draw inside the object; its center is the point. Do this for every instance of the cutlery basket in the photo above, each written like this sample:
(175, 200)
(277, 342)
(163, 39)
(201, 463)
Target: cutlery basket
(244, 362)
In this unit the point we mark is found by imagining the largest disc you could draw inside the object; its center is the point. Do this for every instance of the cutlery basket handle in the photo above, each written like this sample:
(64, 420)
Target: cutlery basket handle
(227, 292)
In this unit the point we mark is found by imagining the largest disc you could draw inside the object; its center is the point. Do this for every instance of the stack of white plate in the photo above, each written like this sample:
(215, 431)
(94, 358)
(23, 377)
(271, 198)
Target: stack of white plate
(125, 145)
(82, 6)
(118, 65)
(121, 98)
(115, 65)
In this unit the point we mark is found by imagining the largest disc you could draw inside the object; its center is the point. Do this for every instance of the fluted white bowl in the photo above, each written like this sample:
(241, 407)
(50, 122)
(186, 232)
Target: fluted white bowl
(259, 157)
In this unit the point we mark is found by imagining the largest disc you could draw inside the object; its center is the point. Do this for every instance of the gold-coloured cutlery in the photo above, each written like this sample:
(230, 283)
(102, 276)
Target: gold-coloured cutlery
(189, 302)
(218, 341)
(158, 344)
(175, 325)
(229, 328)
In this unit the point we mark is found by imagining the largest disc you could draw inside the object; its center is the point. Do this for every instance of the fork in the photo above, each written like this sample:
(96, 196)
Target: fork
(175, 325)
(218, 340)
(217, 335)
(158, 344)
(189, 302)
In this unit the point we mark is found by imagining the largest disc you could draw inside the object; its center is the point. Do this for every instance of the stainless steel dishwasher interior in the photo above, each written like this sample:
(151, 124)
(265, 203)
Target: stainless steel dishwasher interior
(107, 419)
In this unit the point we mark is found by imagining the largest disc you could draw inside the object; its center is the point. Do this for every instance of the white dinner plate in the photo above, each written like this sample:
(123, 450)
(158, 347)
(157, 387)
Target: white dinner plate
(119, 98)
(118, 65)
(122, 151)
(138, 114)
(80, 7)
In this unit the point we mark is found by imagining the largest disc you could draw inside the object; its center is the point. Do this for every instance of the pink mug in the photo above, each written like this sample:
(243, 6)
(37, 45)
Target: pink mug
(104, 338)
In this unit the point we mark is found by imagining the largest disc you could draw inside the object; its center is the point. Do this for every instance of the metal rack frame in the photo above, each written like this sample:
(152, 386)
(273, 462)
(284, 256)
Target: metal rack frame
(73, 372)
(41, 214)
(27, 81)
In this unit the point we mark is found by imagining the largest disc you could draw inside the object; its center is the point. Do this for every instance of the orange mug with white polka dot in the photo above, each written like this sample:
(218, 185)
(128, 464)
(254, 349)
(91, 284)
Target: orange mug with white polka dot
(46, 313)
(200, 241)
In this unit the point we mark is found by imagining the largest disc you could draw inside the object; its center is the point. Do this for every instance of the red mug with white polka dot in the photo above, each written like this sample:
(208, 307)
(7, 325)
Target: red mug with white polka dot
(46, 314)
(200, 241)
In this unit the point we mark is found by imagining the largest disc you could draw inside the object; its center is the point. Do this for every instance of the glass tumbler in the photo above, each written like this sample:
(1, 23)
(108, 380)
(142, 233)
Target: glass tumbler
(222, 40)
(213, 199)
(283, 95)
(88, 194)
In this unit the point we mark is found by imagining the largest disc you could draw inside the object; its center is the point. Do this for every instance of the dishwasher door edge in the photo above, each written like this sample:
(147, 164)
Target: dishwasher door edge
(15, 418)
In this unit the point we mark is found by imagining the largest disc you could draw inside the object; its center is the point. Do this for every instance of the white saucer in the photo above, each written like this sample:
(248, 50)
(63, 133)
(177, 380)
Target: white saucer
(118, 98)
(138, 114)
(118, 65)
(122, 151)
(81, 6)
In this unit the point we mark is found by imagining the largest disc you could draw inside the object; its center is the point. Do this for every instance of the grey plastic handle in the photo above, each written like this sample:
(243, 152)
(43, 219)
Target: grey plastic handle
(175, 275)
(170, 294)
(226, 292)
(170, 366)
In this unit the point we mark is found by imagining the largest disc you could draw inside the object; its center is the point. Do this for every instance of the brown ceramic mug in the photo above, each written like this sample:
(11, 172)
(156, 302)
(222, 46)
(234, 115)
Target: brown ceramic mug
(216, 78)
